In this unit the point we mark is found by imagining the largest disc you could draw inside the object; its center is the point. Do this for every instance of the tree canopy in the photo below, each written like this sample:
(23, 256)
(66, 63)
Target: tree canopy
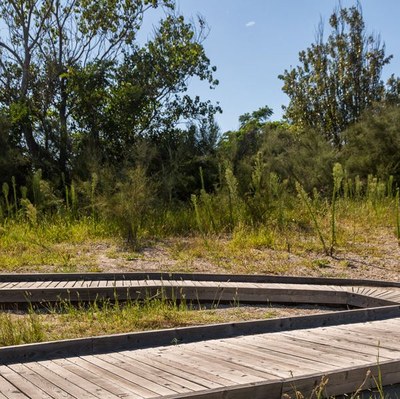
(75, 82)
(81, 96)
(338, 78)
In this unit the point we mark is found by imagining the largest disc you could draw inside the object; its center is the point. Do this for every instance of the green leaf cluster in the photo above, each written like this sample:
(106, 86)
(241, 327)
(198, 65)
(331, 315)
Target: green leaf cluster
(338, 78)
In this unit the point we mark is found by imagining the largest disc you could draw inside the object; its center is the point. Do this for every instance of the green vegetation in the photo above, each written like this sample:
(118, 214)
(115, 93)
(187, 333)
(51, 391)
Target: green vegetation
(93, 152)
(66, 321)
(103, 154)
(259, 231)
(319, 392)
(93, 148)
(338, 78)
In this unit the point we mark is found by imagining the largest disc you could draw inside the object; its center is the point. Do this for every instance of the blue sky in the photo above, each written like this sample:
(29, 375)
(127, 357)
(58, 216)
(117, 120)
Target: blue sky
(253, 41)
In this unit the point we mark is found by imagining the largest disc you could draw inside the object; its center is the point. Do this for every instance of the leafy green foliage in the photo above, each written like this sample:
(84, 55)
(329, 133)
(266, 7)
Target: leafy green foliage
(128, 203)
(12, 159)
(256, 118)
(373, 144)
(79, 91)
(292, 154)
(338, 78)
(95, 128)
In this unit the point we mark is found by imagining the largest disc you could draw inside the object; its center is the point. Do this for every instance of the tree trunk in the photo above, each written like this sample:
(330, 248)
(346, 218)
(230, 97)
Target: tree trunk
(64, 140)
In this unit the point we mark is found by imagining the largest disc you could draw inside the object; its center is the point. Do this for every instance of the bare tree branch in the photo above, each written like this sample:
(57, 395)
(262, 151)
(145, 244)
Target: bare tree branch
(13, 52)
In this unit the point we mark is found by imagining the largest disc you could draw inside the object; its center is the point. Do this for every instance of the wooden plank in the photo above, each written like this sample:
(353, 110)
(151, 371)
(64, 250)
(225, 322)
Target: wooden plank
(105, 387)
(4, 284)
(51, 284)
(350, 343)
(373, 340)
(260, 278)
(9, 390)
(382, 292)
(392, 320)
(219, 368)
(240, 290)
(275, 363)
(94, 284)
(343, 346)
(394, 296)
(113, 374)
(391, 324)
(284, 355)
(23, 284)
(73, 378)
(118, 283)
(364, 301)
(346, 380)
(338, 358)
(357, 290)
(69, 284)
(30, 284)
(205, 379)
(229, 293)
(72, 389)
(248, 372)
(124, 283)
(129, 372)
(146, 363)
(12, 284)
(44, 284)
(146, 371)
(163, 377)
(375, 329)
(61, 284)
(370, 291)
(370, 323)
(22, 384)
(38, 380)
(340, 288)
(152, 283)
(181, 283)
(311, 352)
(185, 366)
(260, 390)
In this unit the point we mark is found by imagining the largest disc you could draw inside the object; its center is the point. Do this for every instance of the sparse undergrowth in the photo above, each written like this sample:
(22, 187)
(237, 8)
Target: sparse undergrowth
(65, 321)
(366, 245)
(356, 234)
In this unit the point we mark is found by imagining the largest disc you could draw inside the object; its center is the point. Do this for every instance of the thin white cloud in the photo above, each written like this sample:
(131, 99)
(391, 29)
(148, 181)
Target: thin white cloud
(250, 24)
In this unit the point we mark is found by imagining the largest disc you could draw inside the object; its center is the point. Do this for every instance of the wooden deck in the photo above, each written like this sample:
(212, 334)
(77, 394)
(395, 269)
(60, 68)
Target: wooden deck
(50, 288)
(261, 359)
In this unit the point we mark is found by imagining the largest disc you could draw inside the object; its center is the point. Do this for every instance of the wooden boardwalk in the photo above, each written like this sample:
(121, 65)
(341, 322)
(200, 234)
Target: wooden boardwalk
(261, 359)
(42, 288)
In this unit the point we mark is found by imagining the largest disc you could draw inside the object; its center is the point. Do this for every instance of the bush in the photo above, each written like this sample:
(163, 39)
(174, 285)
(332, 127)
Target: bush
(128, 203)
(373, 145)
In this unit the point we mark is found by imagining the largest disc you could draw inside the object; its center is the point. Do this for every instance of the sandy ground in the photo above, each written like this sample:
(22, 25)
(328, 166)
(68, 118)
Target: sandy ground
(366, 260)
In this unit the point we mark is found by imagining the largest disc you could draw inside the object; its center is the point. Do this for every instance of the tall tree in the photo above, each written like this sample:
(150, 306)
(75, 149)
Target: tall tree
(145, 95)
(46, 41)
(338, 78)
(74, 80)
(26, 21)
